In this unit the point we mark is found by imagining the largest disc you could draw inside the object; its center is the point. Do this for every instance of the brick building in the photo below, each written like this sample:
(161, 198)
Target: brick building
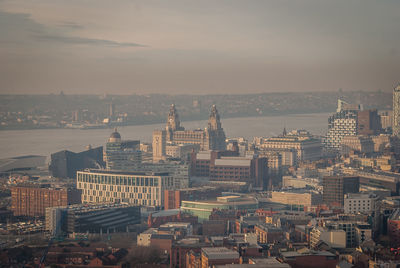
(33, 201)
(393, 228)
(173, 198)
(267, 233)
(222, 166)
(335, 187)
(218, 256)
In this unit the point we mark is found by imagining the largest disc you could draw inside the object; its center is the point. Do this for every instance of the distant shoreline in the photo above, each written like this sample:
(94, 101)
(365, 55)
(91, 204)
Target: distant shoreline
(155, 122)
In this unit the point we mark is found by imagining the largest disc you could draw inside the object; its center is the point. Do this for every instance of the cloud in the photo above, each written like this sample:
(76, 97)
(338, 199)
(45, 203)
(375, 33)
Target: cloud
(71, 25)
(84, 41)
(20, 28)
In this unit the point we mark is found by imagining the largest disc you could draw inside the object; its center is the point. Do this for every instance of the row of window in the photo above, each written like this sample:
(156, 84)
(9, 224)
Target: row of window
(98, 199)
(117, 188)
(118, 180)
(121, 195)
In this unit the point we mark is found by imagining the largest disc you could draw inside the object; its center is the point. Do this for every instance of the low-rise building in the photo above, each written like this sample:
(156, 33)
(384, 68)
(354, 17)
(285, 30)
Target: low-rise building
(310, 259)
(33, 200)
(360, 203)
(393, 228)
(92, 219)
(203, 209)
(268, 233)
(334, 238)
(298, 197)
(218, 256)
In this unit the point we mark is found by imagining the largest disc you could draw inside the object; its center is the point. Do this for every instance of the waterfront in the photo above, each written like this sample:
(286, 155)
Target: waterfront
(47, 141)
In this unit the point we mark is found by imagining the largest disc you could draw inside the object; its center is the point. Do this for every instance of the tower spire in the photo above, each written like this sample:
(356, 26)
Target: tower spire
(214, 122)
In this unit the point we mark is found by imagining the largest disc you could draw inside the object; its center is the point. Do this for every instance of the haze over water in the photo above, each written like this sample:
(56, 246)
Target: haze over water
(48, 141)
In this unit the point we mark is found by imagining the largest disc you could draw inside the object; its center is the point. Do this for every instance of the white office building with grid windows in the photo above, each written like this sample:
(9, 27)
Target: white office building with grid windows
(139, 188)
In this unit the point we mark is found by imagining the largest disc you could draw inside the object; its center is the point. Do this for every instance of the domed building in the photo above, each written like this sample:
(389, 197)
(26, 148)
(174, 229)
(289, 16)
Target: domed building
(115, 136)
(120, 154)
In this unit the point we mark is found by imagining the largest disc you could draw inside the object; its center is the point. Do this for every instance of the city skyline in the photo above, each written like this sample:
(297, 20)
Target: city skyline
(134, 47)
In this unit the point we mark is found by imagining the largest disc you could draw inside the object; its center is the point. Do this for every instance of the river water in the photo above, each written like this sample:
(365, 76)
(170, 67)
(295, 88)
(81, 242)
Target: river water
(48, 141)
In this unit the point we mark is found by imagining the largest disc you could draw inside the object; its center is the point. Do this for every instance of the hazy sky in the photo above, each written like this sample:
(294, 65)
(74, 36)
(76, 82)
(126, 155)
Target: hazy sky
(198, 47)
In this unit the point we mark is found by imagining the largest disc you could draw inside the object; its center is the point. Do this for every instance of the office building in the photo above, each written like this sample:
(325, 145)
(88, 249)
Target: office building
(297, 197)
(386, 119)
(120, 154)
(211, 138)
(33, 201)
(368, 122)
(173, 198)
(203, 209)
(181, 151)
(65, 164)
(220, 166)
(179, 170)
(355, 203)
(307, 148)
(358, 144)
(139, 188)
(159, 145)
(102, 218)
(396, 111)
(335, 187)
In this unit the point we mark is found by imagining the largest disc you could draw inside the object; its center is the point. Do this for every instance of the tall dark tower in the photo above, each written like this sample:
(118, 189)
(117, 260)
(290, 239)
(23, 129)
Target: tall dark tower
(111, 112)
(396, 111)
(215, 131)
(214, 122)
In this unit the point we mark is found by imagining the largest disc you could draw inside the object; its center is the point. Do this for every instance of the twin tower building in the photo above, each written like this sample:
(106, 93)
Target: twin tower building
(210, 138)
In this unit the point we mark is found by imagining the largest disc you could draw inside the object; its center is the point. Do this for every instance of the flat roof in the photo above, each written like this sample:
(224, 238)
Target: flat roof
(216, 253)
(233, 162)
(307, 253)
(121, 172)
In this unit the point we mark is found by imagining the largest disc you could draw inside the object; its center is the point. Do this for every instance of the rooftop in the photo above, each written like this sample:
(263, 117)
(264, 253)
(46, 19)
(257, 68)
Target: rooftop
(119, 172)
(395, 215)
(220, 253)
(289, 254)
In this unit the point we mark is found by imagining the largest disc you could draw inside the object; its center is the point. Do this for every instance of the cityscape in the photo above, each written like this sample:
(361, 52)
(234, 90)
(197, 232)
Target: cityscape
(199, 134)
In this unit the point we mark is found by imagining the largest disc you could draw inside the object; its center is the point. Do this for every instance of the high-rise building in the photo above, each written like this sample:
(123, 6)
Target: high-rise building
(32, 201)
(335, 187)
(368, 122)
(159, 145)
(343, 123)
(120, 154)
(396, 111)
(386, 118)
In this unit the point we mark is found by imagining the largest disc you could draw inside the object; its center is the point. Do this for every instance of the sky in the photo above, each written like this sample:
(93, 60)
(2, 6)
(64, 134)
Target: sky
(198, 47)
